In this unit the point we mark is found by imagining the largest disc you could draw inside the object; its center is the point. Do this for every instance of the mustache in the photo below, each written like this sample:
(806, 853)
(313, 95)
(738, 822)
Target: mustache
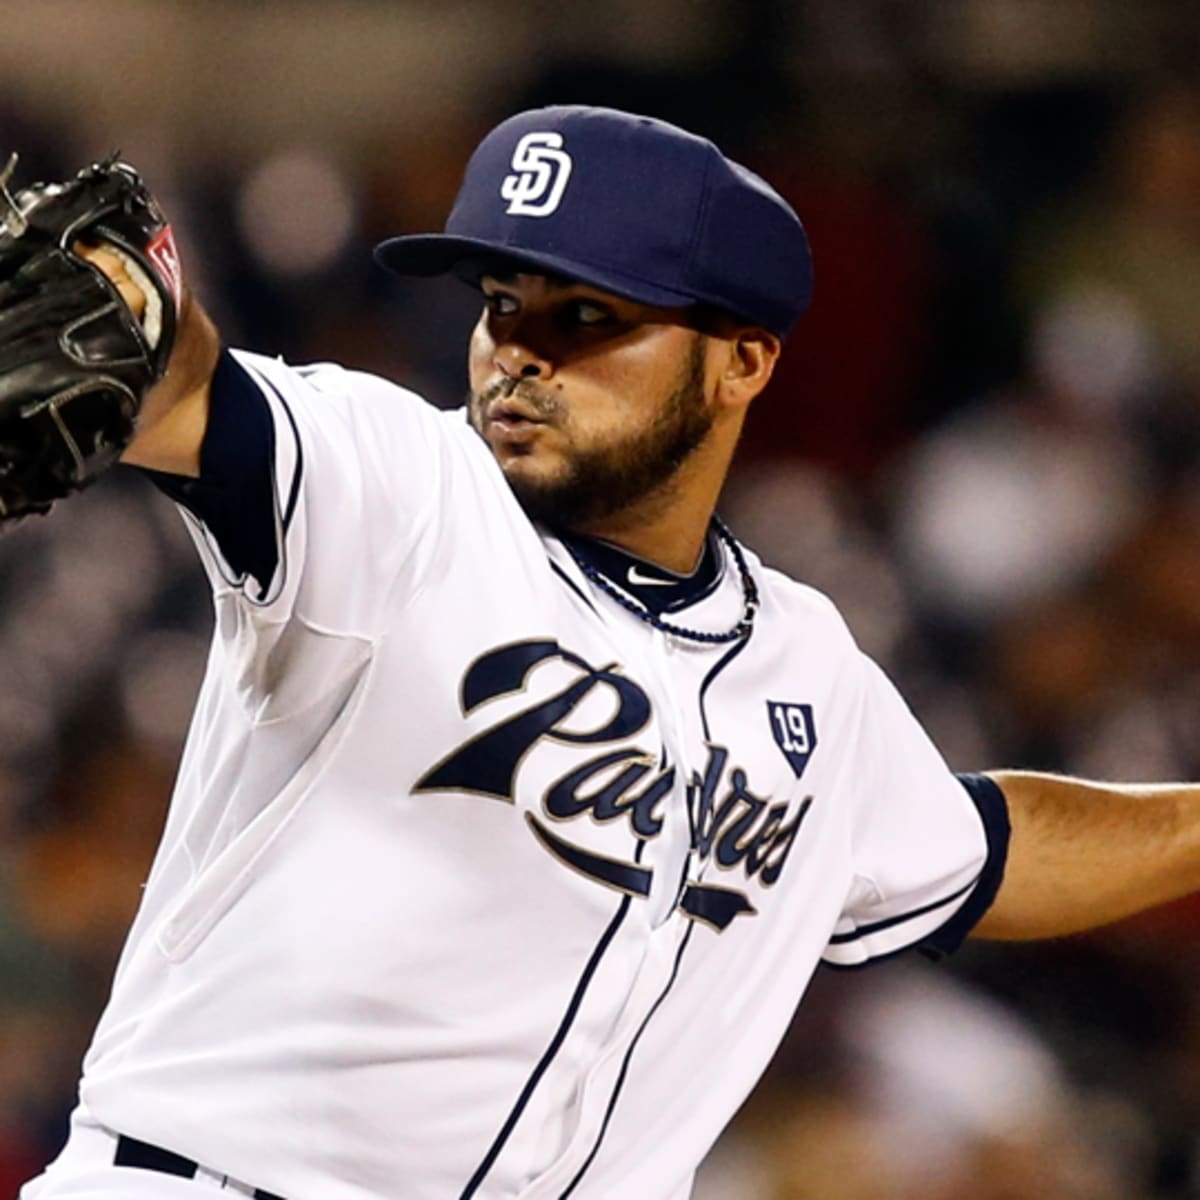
(543, 403)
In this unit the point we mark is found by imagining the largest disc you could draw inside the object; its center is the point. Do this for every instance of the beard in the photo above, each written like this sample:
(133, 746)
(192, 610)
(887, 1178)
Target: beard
(601, 481)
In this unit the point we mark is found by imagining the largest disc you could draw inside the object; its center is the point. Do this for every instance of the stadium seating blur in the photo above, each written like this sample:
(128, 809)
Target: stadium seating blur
(984, 443)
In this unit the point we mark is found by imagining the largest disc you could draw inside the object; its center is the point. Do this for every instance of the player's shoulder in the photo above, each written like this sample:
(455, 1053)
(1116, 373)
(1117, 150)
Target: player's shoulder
(794, 596)
(329, 380)
(805, 609)
(328, 392)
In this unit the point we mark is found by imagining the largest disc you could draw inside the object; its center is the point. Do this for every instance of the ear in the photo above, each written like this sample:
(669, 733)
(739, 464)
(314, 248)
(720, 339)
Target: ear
(747, 360)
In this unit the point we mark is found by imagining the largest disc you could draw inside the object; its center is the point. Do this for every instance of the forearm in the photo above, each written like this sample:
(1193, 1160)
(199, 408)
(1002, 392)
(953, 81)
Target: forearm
(1083, 854)
(175, 412)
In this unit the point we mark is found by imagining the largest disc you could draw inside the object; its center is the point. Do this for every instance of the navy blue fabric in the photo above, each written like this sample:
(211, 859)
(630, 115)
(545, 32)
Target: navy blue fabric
(235, 494)
(947, 938)
(629, 204)
(668, 593)
(993, 811)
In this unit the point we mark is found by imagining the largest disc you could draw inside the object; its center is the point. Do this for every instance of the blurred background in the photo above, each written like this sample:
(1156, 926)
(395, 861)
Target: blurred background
(984, 442)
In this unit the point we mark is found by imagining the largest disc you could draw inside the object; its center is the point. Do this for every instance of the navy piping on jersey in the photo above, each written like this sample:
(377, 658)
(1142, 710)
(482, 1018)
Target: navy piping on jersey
(993, 810)
(637, 1037)
(571, 584)
(526, 1094)
(714, 671)
(298, 474)
(948, 937)
(842, 939)
(235, 496)
(289, 508)
(705, 684)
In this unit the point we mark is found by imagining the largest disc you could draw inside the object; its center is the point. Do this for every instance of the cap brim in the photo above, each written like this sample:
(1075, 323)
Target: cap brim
(469, 258)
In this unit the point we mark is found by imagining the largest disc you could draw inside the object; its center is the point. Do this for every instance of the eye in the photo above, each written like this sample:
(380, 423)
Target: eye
(589, 312)
(501, 304)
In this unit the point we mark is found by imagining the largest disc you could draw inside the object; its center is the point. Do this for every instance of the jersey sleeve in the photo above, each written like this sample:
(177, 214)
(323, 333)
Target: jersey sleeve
(314, 484)
(318, 488)
(235, 498)
(927, 847)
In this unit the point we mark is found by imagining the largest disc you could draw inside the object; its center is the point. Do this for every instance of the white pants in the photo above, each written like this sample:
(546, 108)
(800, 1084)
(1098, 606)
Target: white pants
(85, 1171)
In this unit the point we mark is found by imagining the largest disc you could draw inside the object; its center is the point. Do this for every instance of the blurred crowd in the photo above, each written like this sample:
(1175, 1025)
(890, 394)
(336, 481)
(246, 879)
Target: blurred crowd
(983, 442)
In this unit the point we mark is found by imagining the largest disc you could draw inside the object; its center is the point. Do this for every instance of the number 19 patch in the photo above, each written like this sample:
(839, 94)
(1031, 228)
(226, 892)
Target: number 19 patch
(795, 733)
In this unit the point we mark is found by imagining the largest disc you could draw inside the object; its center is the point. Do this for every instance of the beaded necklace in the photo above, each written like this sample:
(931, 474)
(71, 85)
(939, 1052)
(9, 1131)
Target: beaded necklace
(749, 594)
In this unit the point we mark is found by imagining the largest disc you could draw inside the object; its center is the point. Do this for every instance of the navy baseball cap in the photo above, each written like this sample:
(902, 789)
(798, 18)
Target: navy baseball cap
(628, 204)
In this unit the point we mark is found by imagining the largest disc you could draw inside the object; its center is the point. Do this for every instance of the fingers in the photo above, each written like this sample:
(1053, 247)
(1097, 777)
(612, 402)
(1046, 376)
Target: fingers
(110, 262)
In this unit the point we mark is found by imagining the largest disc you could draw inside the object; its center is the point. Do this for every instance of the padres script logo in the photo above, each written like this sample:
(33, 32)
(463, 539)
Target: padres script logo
(737, 830)
(541, 169)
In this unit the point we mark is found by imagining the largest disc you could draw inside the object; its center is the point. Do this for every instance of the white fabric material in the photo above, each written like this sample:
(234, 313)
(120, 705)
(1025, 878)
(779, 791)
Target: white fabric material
(344, 988)
(85, 1171)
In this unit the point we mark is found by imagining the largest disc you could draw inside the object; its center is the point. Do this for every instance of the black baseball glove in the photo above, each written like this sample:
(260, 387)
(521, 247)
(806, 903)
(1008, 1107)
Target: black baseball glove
(75, 363)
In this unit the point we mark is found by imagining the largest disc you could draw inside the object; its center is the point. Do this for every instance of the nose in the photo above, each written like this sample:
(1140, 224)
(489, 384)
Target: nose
(520, 361)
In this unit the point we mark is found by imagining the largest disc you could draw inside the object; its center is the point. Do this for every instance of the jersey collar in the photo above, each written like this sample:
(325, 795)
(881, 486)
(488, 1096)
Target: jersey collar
(658, 589)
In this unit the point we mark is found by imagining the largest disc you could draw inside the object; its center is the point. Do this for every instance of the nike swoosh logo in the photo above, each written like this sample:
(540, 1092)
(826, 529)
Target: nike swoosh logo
(635, 576)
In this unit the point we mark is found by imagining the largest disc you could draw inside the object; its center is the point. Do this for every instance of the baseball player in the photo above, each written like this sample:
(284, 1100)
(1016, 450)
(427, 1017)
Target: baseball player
(521, 800)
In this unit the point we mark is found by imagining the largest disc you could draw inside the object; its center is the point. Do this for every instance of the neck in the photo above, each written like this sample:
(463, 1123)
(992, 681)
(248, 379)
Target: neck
(669, 526)
(675, 544)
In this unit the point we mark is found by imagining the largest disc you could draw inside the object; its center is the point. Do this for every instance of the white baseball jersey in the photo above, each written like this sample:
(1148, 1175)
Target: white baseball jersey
(476, 884)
